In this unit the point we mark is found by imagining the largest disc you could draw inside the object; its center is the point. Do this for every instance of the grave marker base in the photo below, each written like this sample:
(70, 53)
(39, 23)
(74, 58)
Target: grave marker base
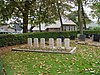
(47, 51)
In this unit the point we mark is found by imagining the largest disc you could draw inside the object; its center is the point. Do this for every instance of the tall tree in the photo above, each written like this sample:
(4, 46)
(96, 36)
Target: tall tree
(83, 15)
(59, 13)
(21, 6)
(50, 10)
(47, 12)
(80, 16)
(26, 8)
(62, 6)
(44, 13)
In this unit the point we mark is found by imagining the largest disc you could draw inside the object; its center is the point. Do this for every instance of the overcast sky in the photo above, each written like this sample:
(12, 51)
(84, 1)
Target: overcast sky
(88, 11)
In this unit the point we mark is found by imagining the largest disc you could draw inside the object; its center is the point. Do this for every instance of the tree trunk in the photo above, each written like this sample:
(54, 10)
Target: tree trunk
(80, 17)
(25, 18)
(25, 22)
(40, 27)
(98, 20)
(60, 17)
(61, 22)
(83, 14)
(40, 19)
(31, 28)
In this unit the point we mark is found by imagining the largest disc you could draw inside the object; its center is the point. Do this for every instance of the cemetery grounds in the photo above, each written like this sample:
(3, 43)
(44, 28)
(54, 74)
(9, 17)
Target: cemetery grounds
(85, 61)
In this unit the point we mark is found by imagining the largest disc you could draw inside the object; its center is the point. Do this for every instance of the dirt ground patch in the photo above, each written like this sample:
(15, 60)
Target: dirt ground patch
(7, 48)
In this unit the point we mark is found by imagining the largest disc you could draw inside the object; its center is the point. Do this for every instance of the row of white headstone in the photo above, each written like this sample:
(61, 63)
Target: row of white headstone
(51, 43)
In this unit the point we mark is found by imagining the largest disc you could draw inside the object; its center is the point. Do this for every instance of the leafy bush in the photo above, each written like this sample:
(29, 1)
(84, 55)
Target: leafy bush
(94, 28)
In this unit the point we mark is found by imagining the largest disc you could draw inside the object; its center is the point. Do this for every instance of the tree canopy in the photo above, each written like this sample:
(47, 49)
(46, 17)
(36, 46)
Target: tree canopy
(33, 11)
(37, 12)
(96, 11)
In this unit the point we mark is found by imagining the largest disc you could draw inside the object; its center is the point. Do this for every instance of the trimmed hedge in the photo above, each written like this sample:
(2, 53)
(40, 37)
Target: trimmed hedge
(91, 32)
(6, 40)
(13, 39)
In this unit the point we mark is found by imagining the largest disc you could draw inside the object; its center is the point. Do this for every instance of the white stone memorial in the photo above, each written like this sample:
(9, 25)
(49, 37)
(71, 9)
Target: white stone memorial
(42, 42)
(36, 45)
(30, 42)
(78, 35)
(51, 43)
(92, 37)
(59, 43)
(67, 43)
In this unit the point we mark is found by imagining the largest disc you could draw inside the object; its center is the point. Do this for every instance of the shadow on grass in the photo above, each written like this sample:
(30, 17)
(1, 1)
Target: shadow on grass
(2, 69)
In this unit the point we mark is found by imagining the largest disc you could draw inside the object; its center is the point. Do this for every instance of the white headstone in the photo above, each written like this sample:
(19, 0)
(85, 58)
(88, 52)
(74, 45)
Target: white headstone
(51, 43)
(59, 43)
(36, 45)
(78, 35)
(67, 43)
(42, 42)
(92, 37)
(30, 42)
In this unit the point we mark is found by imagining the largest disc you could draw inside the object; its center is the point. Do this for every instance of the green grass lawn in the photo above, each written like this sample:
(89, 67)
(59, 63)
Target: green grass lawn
(86, 61)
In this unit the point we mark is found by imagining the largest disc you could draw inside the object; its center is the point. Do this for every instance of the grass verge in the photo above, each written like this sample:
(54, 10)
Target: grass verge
(86, 61)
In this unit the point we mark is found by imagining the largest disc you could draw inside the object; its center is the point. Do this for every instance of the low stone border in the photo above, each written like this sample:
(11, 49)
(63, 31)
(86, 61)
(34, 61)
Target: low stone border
(89, 44)
(46, 51)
